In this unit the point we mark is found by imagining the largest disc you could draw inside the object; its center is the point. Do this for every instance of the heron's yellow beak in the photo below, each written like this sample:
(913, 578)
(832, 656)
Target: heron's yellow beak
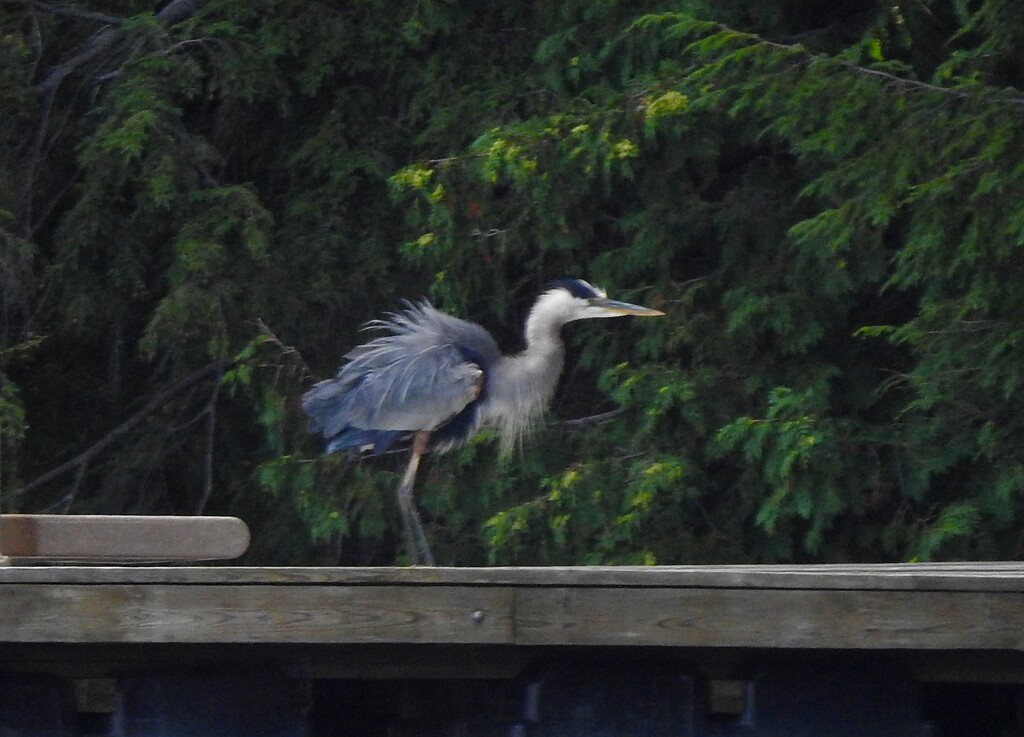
(625, 308)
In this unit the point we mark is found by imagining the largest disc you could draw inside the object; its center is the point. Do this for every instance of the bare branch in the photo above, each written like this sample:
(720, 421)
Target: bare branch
(65, 502)
(99, 43)
(210, 371)
(286, 350)
(174, 12)
(491, 233)
(179, 10)
(211, 426)
(36, 43)
(592, 419)
(905, 82)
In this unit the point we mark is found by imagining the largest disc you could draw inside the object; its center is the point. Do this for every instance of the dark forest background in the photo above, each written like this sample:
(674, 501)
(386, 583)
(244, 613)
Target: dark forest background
(202, 200)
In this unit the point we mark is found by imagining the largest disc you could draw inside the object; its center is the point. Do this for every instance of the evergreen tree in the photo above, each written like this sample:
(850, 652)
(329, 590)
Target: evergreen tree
(202, 200)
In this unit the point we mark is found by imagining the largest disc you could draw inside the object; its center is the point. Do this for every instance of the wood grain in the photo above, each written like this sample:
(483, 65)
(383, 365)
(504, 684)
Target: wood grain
(121, 537)
(1000, 576)
(683, 617)
(825, 619)
(222, 614)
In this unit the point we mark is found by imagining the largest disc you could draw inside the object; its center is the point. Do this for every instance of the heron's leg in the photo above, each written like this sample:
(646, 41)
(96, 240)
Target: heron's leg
(415, 537)
(407, 506)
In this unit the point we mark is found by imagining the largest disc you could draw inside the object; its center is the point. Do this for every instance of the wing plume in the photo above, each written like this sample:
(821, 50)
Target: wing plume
(426, 369)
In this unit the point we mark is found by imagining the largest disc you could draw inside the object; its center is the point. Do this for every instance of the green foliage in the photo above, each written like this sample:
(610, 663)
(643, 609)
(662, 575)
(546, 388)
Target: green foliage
(822, 198)
(799, 459)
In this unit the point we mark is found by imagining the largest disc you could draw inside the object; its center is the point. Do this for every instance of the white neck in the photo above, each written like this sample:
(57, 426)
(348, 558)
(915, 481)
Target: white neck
(523, 384)
(543, 327)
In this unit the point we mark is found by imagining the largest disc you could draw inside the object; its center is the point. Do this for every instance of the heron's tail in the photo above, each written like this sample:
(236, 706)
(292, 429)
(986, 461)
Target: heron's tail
(375, 441)
(327, 406)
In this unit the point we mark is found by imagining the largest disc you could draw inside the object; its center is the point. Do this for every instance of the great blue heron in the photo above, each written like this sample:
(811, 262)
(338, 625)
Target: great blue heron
(436, 380)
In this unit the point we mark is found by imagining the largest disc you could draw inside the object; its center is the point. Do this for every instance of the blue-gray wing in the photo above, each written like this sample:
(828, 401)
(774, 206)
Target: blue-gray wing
(425, 371)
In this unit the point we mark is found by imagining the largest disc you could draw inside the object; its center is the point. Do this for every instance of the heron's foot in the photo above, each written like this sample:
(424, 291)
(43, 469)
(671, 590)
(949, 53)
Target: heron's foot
(416, 543)
(425, 557)
(417, 547)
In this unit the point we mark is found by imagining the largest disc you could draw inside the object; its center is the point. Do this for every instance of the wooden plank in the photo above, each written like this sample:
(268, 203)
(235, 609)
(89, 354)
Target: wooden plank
(1005, 577)
(520, 616)
(265, 614)
(121, 537)
(737, 618)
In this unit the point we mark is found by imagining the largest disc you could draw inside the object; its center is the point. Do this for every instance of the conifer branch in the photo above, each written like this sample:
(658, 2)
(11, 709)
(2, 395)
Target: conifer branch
(799, 50)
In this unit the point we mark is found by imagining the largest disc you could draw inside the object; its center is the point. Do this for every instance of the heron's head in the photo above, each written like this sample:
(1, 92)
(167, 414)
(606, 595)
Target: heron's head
(575, 299)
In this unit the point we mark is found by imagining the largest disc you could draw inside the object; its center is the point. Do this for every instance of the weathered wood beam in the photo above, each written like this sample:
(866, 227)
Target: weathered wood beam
(124, 538)
(518, 616)
(992, 577)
